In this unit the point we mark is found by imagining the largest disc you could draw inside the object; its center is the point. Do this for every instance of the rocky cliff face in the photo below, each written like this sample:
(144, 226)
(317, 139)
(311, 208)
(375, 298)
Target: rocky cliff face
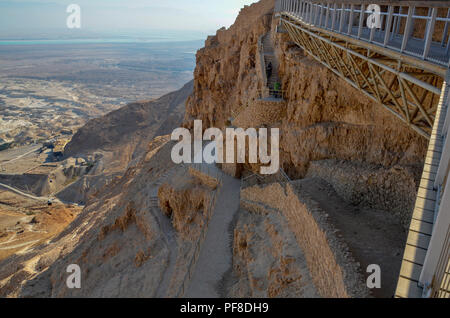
(118, 140)
(323, 117)
(226, 74)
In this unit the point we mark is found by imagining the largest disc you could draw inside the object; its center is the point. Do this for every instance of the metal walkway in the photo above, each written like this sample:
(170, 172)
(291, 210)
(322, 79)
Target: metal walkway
(404, 73)
(397, 54)
(419, 271)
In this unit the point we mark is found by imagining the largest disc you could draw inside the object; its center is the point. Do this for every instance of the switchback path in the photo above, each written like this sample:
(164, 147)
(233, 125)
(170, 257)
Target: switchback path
(216, 255)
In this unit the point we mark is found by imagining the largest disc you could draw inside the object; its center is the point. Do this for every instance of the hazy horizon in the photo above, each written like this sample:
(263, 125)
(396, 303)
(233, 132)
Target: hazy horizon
(175, 19)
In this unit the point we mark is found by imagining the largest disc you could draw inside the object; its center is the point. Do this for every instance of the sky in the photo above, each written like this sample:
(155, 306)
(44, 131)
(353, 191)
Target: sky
(34, 17)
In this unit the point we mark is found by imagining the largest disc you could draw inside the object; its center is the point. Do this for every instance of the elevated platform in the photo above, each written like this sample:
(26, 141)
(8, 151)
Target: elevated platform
(403, 73)
(423, 218)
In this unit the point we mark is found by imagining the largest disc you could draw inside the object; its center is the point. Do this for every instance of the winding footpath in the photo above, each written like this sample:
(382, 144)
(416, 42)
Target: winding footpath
(216, 255)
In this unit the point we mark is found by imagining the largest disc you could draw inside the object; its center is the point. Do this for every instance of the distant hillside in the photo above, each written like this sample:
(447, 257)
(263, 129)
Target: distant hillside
(130, 128)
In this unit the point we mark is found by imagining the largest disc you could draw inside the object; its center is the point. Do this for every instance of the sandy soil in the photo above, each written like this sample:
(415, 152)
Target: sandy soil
(373, 236)
(25, 223)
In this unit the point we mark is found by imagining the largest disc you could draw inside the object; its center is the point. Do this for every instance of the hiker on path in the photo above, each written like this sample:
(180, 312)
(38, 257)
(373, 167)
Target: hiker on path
(269, 70)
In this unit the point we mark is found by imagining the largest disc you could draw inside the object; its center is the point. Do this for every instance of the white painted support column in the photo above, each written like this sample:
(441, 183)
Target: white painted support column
(429, 34)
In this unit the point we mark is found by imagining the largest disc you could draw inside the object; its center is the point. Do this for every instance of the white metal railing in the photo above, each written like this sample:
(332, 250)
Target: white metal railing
(435, 272)
(394, 25)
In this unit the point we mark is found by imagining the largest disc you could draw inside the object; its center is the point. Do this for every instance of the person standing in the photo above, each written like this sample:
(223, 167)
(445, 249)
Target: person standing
(269, 70)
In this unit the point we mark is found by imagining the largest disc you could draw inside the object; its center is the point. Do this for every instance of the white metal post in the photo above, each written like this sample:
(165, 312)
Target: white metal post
(333, 20)
(341, 23)
(445, 29)
(304, 5)
(395, 24)
(327, 15)
(321, 15)
(429, 34)
(445, 159)
(399, 20)
(313, 14)
(442, 220)
(372, 32)
(407, 32)
(316, 19)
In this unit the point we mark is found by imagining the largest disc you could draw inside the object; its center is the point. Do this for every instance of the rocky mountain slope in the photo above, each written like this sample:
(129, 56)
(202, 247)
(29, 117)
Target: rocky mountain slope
(324, 118)
(118, 140)
(140, 230)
